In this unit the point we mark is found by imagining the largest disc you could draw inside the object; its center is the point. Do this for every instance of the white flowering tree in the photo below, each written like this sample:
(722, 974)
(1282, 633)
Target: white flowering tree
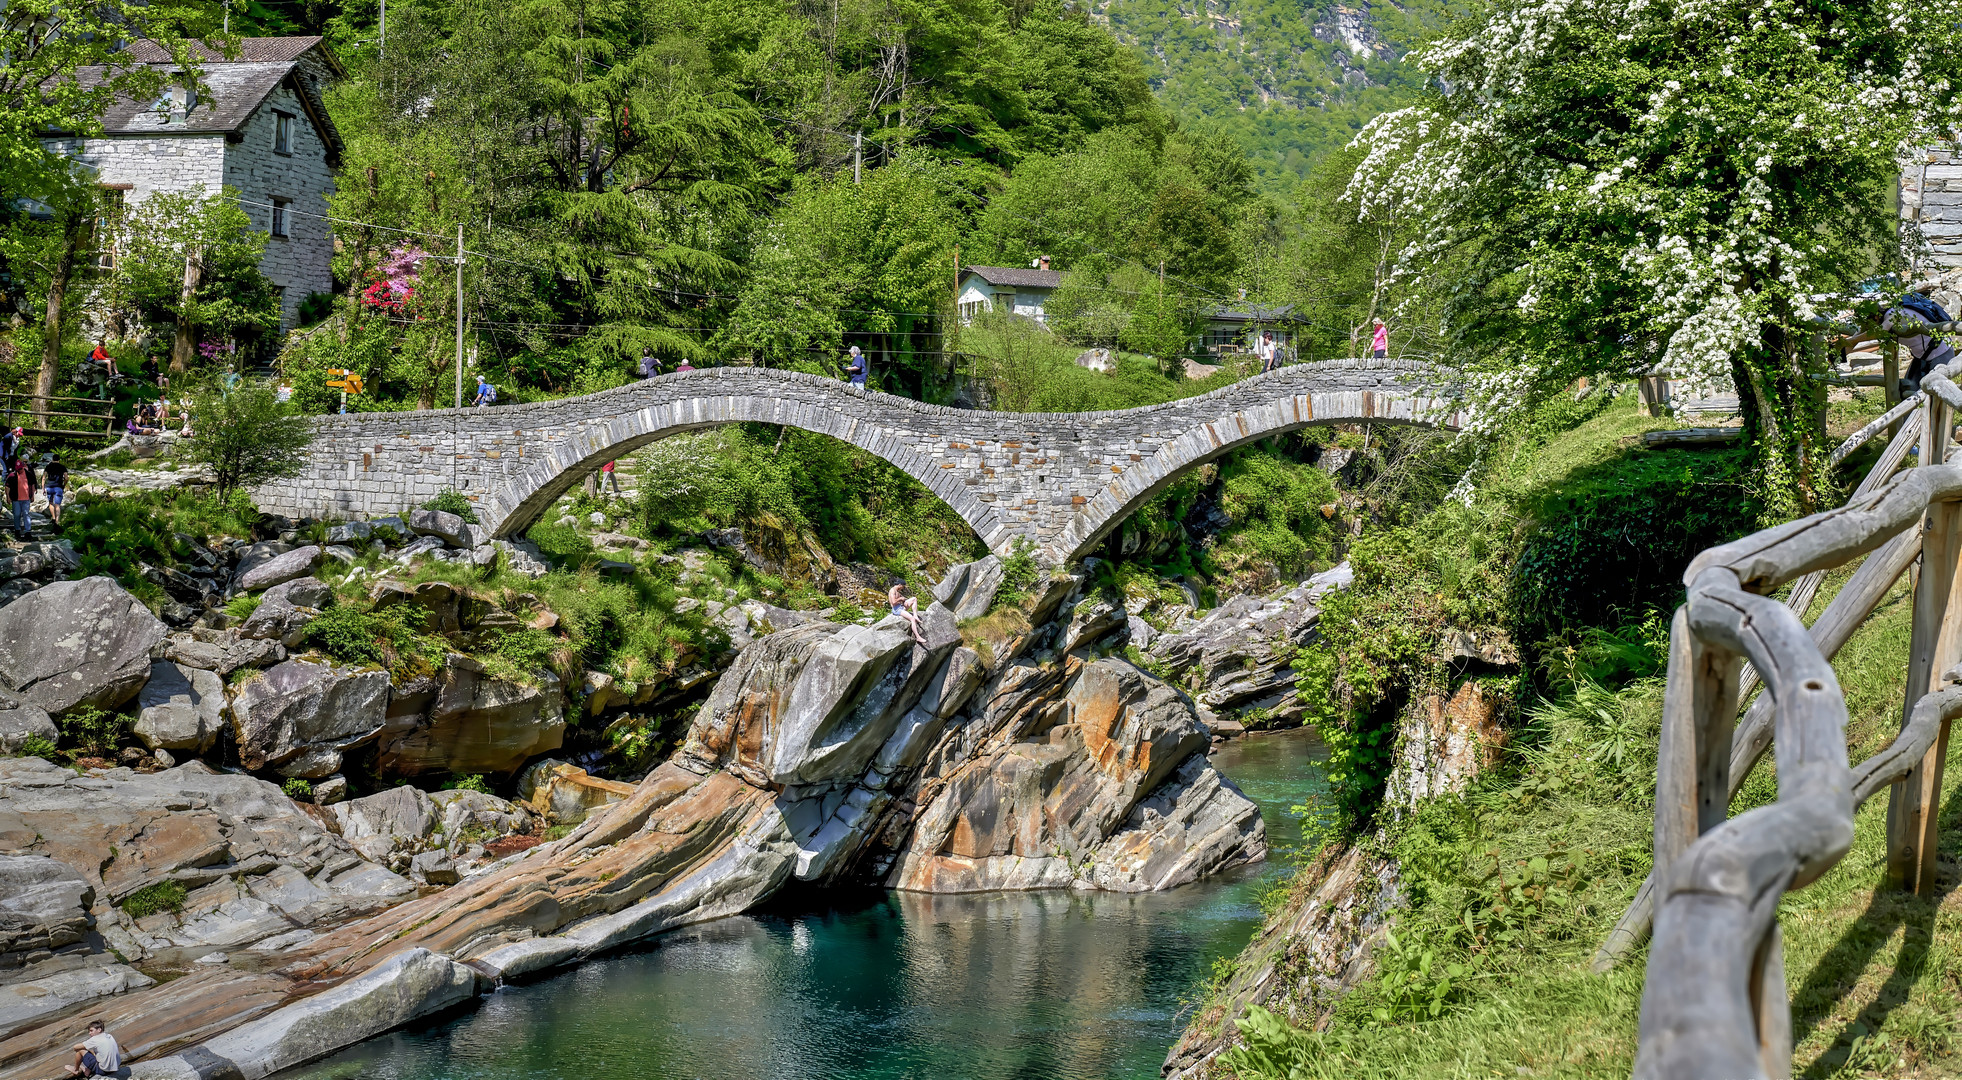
(1611, 185)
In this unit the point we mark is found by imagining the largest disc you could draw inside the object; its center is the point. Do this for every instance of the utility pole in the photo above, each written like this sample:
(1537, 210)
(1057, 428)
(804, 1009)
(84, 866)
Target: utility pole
(858, 154)
(381, 35)
(459, 314)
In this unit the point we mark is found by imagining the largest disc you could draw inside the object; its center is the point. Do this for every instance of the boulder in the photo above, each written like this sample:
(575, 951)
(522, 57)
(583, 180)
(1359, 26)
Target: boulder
(75, 643)
(567, 795)
(298, 717)
(477, 813)
(433, 868)
(813, 704)
(285, 609)
(21, 721)
(381, 824)
(420, 546)
(1141, 632)
(1241, 655)
(351, 532)
(1052, 804)
(447, 527)
(536, 775)
(330, 790)
(44, 904)
(1091, 619)
(221, 651)
(1098, 360)
(968, 590)
(181, 708)
(521, 557)
(479, 723)
(264, 574)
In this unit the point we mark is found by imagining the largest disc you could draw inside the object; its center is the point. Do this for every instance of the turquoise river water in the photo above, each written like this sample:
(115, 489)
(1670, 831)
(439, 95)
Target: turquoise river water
(880, 986)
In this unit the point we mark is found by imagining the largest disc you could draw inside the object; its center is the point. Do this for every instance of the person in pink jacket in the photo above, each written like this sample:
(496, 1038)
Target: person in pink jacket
(1379, 340)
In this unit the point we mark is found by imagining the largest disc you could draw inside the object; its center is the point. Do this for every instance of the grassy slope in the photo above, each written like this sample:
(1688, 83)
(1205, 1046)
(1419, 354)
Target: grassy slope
(1859, 959)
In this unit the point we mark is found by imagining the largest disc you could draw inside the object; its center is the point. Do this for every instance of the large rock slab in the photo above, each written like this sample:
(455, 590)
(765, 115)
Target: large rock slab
(1241, 655)
(478, 723)
(27, 1000)
(44, 903)
(1055, 800)
(285, 609)
(968, 589)
(299, 716)
(181, 708)
(297, 563)
(72, 643)
(447, 527)
(813, 704)
(399, 819)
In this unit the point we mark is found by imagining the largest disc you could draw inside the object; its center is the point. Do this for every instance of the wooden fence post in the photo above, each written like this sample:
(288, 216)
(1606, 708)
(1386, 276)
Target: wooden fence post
(1914, 803)
(1699, 709)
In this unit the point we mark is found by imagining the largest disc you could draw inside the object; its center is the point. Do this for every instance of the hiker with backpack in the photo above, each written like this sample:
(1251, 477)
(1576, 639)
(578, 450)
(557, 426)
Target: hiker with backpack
(1925, 351)
(486, 393)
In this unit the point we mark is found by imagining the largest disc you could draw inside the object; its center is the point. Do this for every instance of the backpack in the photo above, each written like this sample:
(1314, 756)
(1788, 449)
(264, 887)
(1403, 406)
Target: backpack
(1924, 307)
(488, 394)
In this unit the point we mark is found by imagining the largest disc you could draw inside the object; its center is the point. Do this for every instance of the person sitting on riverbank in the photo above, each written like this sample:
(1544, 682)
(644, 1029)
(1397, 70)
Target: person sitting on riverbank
(906, 608)
(98, 1055)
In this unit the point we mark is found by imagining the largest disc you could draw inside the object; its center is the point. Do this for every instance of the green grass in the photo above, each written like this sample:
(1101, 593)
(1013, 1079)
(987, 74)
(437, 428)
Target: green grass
(151, 899)
(1875, 981)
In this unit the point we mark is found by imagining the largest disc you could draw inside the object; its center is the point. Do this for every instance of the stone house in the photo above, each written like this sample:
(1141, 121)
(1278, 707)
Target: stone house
(257, 125)
(1021, 290)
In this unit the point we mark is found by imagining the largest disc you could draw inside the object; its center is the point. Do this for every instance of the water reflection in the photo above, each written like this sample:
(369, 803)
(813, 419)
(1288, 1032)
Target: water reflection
(878, 986)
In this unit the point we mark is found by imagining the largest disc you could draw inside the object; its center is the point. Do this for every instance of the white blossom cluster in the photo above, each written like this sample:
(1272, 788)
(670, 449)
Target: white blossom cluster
(1695, 145)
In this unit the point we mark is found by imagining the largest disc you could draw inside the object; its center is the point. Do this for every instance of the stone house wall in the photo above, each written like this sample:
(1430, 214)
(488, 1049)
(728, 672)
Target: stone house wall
(301, 262)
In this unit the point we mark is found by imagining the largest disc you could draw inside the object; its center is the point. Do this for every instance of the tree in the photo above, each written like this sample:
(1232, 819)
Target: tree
(1605, 186)
(44, 43)
(193, 260)
(48, 245)
(247, 436)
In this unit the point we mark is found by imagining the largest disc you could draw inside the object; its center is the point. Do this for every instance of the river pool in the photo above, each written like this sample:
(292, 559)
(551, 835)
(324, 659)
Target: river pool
(879, 986)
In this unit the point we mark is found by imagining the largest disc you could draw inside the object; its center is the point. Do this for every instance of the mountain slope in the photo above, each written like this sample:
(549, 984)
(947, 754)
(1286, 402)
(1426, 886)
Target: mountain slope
(1290, 80)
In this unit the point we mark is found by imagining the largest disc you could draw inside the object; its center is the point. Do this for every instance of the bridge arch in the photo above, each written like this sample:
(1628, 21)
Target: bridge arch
(1060, 480)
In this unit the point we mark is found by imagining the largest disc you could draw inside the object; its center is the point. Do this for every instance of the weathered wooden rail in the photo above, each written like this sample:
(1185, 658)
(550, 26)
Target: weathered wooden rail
(1714, 1003)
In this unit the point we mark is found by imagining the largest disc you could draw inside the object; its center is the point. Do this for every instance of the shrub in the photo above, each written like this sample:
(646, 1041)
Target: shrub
(528, 649)
(391, 637)
(1019, 574)
(151, 899)
(242, 606)
(247, 436)
(452, 501)
(94, 732)
(38, 746)
(467, 782)
(297, 789)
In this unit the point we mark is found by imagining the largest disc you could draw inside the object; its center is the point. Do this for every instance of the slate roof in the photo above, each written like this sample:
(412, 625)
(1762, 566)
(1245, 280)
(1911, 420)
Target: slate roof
(1019, 276)
(250, 51)
(233, 90)
(1255, 313)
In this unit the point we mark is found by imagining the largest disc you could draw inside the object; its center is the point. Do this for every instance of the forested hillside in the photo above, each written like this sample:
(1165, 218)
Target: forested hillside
(1289, 80)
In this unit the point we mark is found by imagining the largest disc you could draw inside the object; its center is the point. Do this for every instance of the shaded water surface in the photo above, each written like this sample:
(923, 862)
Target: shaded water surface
(880, 986)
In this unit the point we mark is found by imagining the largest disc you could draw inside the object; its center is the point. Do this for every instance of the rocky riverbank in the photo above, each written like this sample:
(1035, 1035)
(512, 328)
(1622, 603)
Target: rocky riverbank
(233, 929)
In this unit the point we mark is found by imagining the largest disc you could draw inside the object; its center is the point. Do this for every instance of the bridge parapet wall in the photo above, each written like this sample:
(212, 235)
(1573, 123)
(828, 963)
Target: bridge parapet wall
(1056, 478)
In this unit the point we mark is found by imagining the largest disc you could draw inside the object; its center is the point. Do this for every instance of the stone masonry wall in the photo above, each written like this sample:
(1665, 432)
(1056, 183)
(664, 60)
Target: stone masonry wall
(302, 261)
(1061, 480)
(151, 163)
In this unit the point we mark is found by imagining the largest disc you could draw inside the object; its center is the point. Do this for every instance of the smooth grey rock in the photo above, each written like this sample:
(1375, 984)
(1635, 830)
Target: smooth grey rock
(76, 643)
(433, 868)
(252, 556)
(910, 740)
(330, 790)
(350, 532)
(479, 723)
(1194, 825)
(522, 558)
(478, 812)
(1141, 632)
(181, 708)
(391, 521)
(299, 716)
(1093, 618)
(1240, 656)
(340, 553)
(285, 610)
(411, 984)
(969, 588)
(223, 653)
(280, 568)
(383, 823)
(21, 721)
(44, 904)
(22, 1003)
(421, 545)
(445, 526)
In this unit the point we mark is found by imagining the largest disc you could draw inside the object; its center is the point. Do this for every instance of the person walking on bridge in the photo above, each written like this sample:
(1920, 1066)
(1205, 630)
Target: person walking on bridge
(1379, 340)
(649, 366)
(856, 367)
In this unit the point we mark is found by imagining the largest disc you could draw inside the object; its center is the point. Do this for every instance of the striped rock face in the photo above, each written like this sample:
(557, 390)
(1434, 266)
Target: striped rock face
(1060, 480)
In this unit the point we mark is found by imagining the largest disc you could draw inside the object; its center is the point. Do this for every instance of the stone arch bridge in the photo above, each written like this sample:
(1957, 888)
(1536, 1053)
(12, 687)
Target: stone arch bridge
(1061, 480)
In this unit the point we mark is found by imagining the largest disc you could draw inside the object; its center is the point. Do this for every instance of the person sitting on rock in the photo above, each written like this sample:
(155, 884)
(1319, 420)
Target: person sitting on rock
(98, 1055)
(906, 608)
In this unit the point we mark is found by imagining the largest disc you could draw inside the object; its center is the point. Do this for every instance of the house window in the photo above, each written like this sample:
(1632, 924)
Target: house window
(279, 216)
(970, 309)
(282, 133)
(176, 99)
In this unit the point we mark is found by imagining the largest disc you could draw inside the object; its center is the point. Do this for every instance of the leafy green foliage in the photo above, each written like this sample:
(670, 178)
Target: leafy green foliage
(1411, 981)
(247, 436)
(1019, 574)
(93, 731)
(152, 899)
(242, 606)
(469, 782)
(39, 746)
(392, 637)
(232, 300)
(297, 789)
(452, 501)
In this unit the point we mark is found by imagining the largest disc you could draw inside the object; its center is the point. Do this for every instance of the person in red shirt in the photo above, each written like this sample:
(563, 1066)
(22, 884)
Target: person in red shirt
(612, 481)
(20, 488)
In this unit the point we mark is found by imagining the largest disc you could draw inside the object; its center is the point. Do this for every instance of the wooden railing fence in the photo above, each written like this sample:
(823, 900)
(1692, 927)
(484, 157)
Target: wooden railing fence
(1714, 1003)
(66, 417)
